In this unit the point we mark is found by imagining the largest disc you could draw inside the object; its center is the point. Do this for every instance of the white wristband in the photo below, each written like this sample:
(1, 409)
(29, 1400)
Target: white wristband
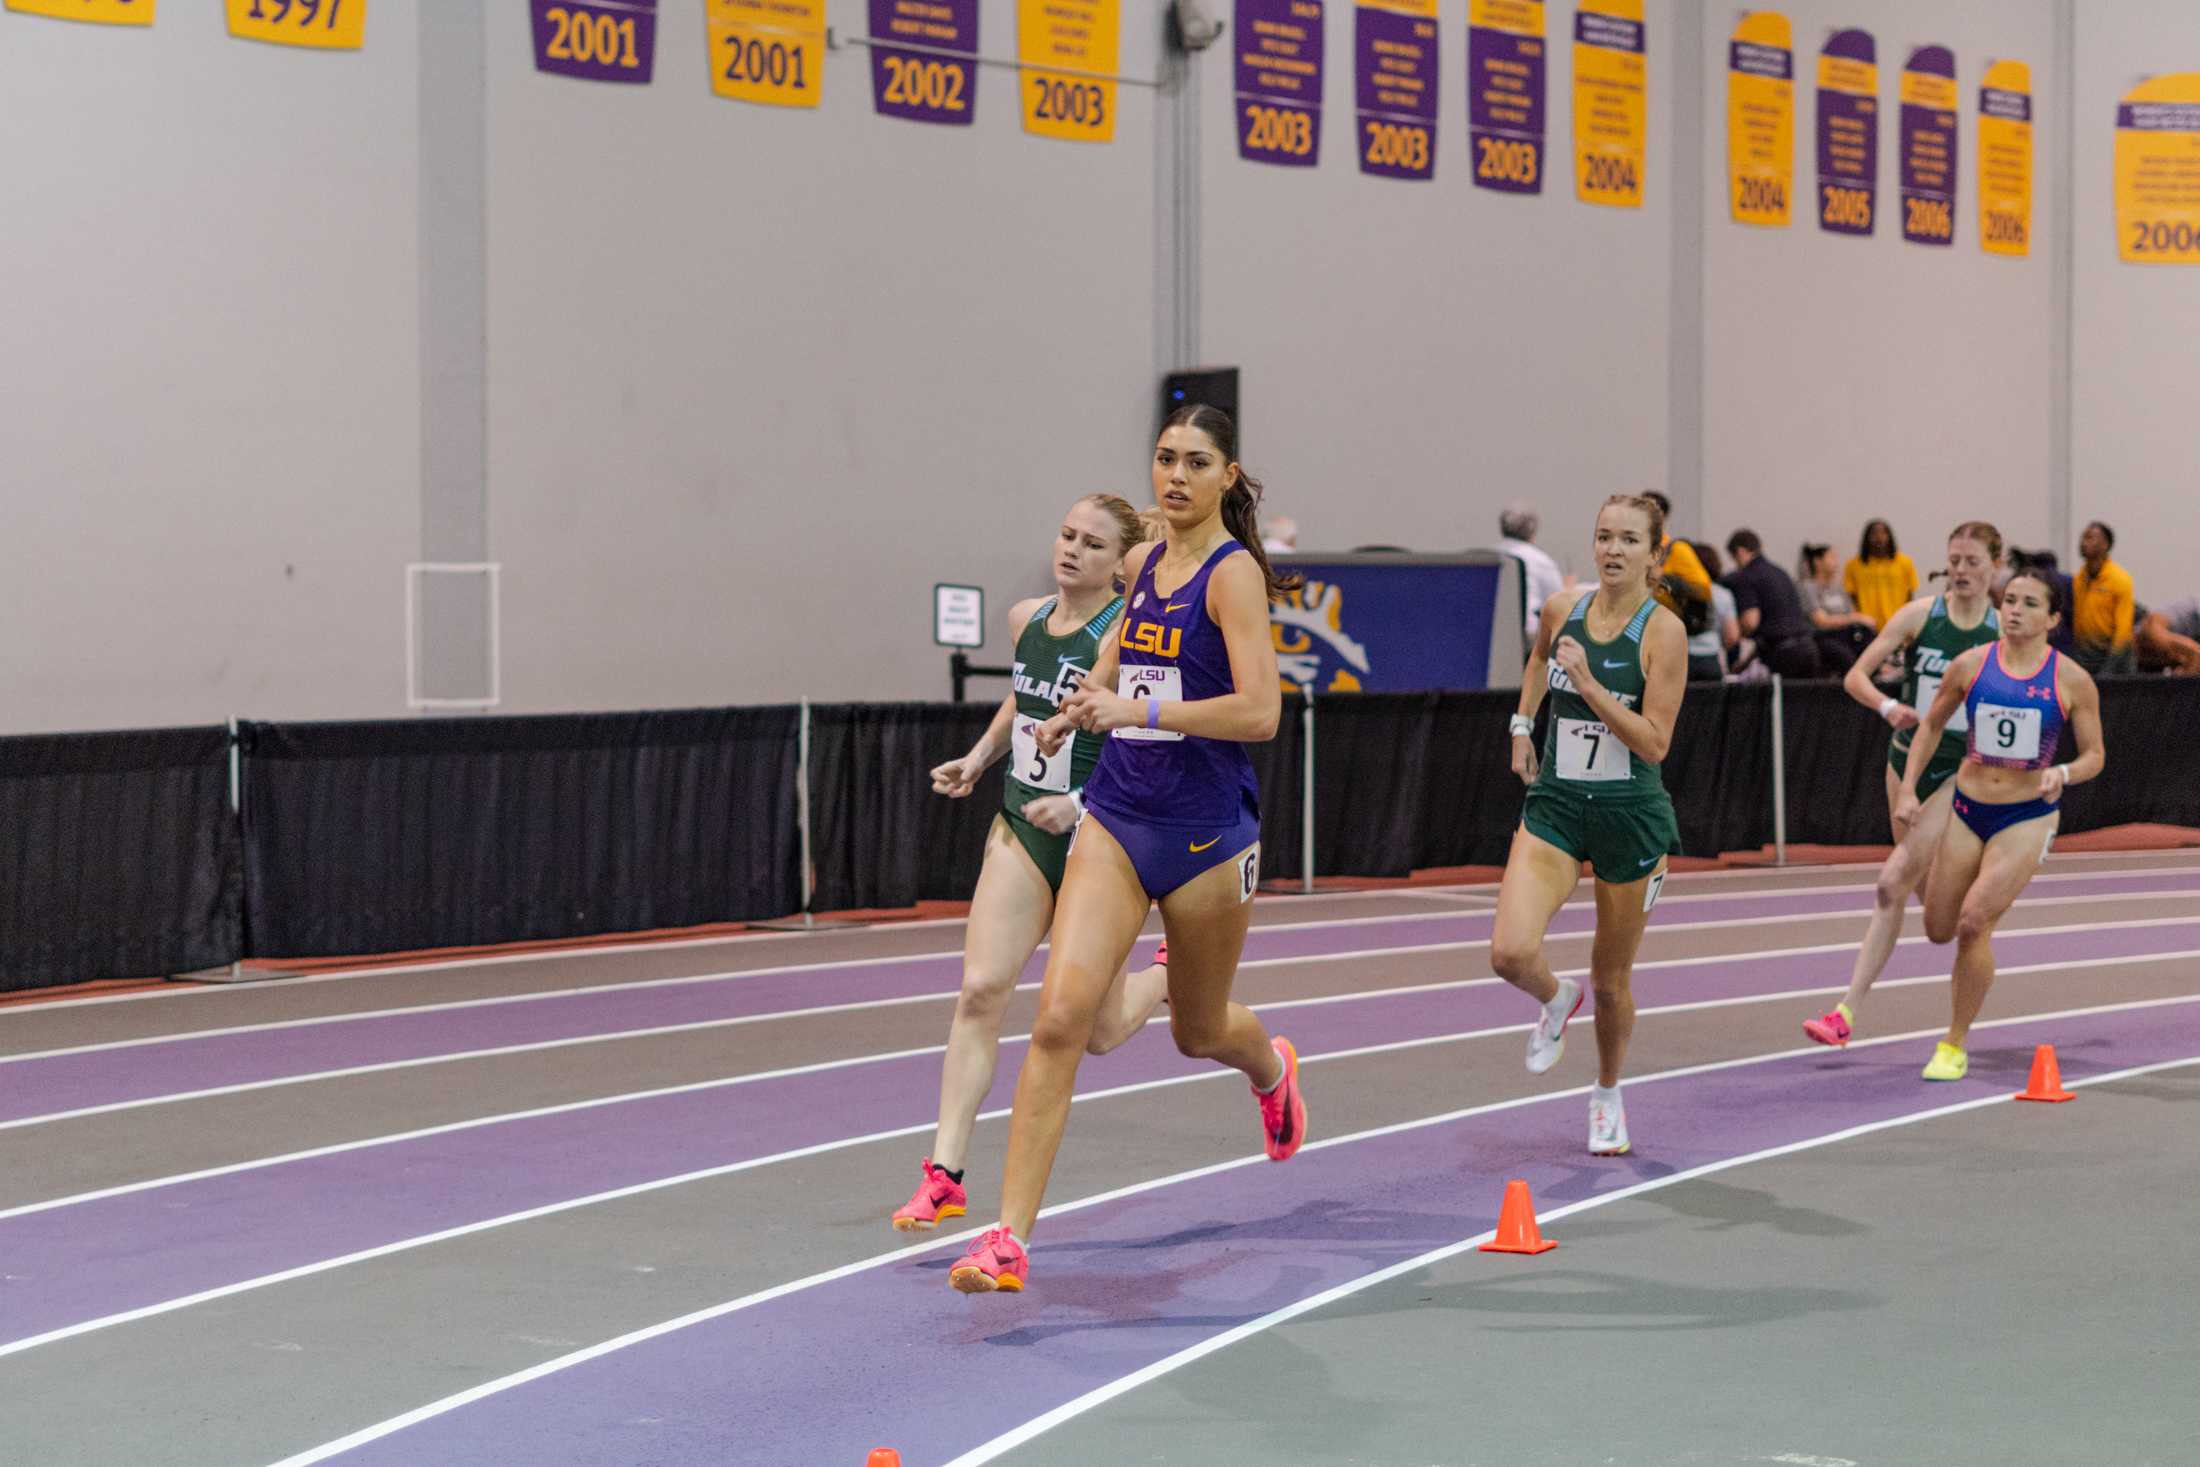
(1523, 727)
(1077, 798)
(2065, 772)
(1888, 705)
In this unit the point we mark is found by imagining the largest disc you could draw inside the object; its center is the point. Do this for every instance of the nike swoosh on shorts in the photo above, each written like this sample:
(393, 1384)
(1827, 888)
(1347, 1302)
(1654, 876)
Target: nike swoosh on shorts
(1196, 849)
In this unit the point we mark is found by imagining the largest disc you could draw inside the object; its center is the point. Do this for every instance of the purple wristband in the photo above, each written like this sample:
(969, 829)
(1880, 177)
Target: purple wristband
(1153, 713)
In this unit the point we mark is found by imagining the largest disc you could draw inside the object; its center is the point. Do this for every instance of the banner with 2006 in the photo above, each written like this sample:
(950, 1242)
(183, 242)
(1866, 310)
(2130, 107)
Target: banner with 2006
(2005, 159)
(2158, 172)
(1928, 146)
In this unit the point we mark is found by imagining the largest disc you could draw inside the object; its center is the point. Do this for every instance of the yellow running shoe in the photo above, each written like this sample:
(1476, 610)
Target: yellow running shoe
(1949, 1062)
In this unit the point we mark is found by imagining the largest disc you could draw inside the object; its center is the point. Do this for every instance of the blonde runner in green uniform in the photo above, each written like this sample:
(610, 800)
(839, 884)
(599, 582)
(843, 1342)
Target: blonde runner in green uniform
(1615, 664)
(1930, 633)
(1058, 639)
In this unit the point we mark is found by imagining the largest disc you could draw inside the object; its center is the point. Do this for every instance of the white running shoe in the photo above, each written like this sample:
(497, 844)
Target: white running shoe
(1547, 1040)
(1607, 1126)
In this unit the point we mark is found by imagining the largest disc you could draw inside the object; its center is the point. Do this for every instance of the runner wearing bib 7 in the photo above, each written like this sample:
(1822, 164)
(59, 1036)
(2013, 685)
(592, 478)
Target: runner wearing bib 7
(1059, 639)
(2018, 692)
(1614, 664)
(1172, 817)
(1930, 633)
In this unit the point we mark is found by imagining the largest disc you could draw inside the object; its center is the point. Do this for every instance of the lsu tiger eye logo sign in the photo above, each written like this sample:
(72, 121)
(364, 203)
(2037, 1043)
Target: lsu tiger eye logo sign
(1611, 103)
(1929, 147)
(2005, 160)
(2158, 172)
(1848, 133)
(1394, 45)
(1760, 119)
(1403, 626)
(1279, 81)
(1505, 91)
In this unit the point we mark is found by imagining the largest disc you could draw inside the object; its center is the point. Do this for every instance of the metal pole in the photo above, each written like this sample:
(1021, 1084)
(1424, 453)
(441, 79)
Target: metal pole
(1306, 811)
(958, 671)
(1779, 774)
(802, 808)
(236, 808)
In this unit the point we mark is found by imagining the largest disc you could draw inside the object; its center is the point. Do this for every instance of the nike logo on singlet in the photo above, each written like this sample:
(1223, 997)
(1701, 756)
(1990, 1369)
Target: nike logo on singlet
(1174, 606)
(1196, 849)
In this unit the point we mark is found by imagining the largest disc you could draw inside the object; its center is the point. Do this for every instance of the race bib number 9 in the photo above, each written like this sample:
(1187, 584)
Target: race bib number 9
(1035, 770)
(1928, 688)
(1590, 752)
(2008, 733)
(1162, 685)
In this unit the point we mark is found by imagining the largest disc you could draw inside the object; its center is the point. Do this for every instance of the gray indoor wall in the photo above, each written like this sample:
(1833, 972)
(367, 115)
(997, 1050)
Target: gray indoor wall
(1416, 354)
(2136, 344)
(209, 396)
(1847, 378)
(758, 378)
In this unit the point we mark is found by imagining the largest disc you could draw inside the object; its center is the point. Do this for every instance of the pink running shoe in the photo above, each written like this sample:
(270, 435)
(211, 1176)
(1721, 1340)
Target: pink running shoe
(1829, 1028)
(1283, 1109)
(939, 1197)
(1161, 954)
(994, 1263)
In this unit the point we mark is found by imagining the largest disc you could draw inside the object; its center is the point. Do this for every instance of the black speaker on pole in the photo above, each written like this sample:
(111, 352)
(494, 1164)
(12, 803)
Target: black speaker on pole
(1215, 386)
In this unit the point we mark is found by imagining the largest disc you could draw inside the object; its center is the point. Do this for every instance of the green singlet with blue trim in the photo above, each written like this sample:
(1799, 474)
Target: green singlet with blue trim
(1048, 669)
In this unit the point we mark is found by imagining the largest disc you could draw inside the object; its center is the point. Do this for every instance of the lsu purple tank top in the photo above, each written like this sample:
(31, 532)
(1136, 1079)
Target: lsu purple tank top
(1173, 651)
(2015, 721)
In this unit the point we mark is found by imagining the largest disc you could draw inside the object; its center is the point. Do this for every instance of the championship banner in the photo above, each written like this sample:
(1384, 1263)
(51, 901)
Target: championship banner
(2005, 160)
(925, 86)
(1505, 93)
(1928, 142)
(1760, 119)
(1279, 81)
(767, 51)
(319, 25)
(1611, 103)
(1081, 36)
(2158, 172)
(595, 40)
(1848, 133)
(1391, 623)
(98, 12)
(1394, 50)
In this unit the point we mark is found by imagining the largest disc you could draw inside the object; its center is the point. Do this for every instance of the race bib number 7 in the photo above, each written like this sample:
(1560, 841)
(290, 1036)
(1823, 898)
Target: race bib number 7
(2008, 733)
(1590, 752)
(1162, 685)
(1037, 770)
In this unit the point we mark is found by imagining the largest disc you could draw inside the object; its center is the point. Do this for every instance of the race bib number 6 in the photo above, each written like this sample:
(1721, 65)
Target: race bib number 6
(1590, 752)
(2008, 733)
(1035, 770)
(1162, 685)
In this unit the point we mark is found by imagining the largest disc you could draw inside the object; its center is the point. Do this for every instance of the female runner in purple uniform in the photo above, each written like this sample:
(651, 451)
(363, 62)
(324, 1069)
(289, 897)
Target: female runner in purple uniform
(1171, 817)
(2018, 692)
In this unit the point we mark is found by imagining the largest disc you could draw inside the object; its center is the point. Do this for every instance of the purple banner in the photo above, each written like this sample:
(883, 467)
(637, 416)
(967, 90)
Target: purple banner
(926, 85)
(596, 40)
(1928, 146)
(1279, 81)
(1848, 134)
(1395, 61)
(1751, 59)
(1505, 109)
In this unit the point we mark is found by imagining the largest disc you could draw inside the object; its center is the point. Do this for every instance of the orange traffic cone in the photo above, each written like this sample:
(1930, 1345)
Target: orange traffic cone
(1516, 1229)
(883, 1457)
(2046, 1081)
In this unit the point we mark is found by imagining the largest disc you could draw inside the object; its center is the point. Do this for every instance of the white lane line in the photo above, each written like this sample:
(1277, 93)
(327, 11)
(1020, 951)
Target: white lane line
(742, 975)
(602, 1348)
(551, 1209)
(853, 1061)
(179, 1097)
(1122, 1385)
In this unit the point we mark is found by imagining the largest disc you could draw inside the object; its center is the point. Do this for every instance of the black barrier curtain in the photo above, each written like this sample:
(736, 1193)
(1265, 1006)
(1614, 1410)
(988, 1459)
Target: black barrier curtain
(387, 837)
(2146, 724)
(119, 858)
(881, 838)
(1836, 768)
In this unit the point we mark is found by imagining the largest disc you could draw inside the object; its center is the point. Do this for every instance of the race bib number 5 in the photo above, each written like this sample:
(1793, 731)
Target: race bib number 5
(1035, 770)
(1590, 752)
(2008, 733)
(1160, 684)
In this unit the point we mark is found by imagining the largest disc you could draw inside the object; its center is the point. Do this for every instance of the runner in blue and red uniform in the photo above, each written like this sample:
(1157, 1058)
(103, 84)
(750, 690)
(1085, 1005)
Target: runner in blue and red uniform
(2018, 692)
(1171, 816)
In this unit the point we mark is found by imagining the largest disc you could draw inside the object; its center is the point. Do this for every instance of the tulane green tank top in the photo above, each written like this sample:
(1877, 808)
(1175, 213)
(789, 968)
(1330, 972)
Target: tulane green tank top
(1580, 754)
(1048, 669)
(1939, 643)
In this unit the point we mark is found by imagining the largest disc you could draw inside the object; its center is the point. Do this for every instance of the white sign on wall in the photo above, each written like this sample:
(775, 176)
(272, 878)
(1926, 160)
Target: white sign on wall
(958, 616)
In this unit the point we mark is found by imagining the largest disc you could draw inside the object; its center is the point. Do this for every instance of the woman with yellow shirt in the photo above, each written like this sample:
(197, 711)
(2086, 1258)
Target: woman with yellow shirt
(1880, 580)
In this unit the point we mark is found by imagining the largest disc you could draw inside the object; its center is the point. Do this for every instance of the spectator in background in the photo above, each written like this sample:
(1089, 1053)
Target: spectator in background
(1771, 611)
(1842, 632)
(1279, 534)
(1683, 586)
(2100, 606)
(1881, 580)
(1710, 649)
(2168, 640)
(1516, 525)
